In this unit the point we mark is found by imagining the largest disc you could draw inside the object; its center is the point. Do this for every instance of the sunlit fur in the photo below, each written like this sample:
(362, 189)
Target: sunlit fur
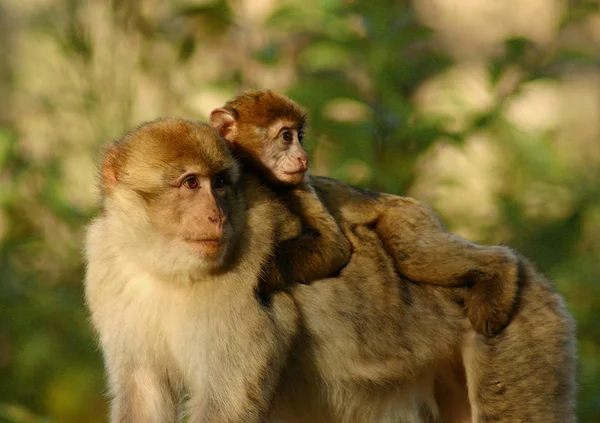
(421, 248)
(165, 316)
(144, 167)
(367, 346)
(253, 124)
(260, 108)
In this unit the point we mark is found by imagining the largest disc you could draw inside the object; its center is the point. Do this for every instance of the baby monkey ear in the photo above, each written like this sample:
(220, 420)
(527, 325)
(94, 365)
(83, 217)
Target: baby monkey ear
(225, 123)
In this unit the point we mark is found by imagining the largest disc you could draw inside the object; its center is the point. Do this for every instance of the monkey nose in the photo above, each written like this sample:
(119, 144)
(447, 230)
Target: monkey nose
(303, 162)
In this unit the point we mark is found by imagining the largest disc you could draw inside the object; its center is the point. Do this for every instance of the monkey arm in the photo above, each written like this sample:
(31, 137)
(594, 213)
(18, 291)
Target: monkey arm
(424, 252)
(321, 250)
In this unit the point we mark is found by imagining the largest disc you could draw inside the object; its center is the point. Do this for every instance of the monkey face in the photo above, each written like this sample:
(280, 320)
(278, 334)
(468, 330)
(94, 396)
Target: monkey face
(284, 158)
(185, 181)
(194, 211)
(266, 129)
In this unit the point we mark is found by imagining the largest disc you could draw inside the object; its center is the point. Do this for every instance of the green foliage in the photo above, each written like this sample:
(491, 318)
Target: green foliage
(399, 101)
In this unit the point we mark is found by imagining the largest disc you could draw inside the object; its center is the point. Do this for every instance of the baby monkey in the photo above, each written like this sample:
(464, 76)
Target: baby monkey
(266, 129)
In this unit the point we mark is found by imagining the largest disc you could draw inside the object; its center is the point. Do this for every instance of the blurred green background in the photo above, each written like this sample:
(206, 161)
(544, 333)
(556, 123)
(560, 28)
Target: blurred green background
(487, 110)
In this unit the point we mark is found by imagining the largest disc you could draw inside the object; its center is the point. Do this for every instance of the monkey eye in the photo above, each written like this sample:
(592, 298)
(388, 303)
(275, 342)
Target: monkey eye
(220, 181)
(287, 136)
(300, 136)
(191, 182)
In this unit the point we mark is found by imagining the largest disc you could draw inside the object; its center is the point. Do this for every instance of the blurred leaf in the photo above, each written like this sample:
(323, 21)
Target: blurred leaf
(10, 413)
(187, 49)
(269, 55)
(289, 17)
(516, 49)
(496, 68)
(211, 19)
(324, 55)
(578, 10)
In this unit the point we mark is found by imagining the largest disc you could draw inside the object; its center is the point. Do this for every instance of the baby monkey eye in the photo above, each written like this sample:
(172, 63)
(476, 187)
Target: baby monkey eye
(220, 182)
(300, 136)
(287, 136)
(191, 182)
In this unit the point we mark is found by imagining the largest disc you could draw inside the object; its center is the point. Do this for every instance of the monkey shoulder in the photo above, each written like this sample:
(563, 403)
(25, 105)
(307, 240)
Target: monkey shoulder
(411, 213)
(267, 205)
(257, 194)
(329, 187)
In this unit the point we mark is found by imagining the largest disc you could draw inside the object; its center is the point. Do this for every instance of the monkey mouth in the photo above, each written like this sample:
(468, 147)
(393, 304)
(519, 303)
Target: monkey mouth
(206, 247)
(207, 242)
(293, 177)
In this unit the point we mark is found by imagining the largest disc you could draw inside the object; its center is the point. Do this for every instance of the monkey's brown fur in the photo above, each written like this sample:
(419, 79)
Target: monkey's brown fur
(259, 109)
(251, 124)
(421, 248)
(182, 321)
(373, 341)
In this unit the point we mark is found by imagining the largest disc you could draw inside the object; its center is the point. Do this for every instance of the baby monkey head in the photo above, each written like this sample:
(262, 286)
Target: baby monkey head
(172, 184)
(265, 129)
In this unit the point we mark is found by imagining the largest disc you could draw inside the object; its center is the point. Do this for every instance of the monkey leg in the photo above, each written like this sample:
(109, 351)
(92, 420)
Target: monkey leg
(424, 252)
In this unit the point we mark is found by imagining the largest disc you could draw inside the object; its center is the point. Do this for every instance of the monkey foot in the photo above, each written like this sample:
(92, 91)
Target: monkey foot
(490, 303)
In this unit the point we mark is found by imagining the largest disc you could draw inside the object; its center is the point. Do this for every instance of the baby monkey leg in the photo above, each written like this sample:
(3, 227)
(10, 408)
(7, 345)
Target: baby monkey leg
(424, 252)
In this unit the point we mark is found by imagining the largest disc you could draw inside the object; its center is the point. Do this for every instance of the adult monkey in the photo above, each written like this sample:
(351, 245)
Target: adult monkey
(173, 265)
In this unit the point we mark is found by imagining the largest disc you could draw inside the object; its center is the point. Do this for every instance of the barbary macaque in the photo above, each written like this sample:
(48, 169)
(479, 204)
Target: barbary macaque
(173, 266)
(266, 130)
(172, 262)
(379, 348)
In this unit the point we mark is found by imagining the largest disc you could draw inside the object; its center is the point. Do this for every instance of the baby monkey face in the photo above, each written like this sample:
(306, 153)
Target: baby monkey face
(283, 156)
(266, 130)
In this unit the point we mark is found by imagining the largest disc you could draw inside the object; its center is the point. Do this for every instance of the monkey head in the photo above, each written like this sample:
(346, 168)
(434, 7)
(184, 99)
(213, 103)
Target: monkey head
(171, 187)
(265, 129)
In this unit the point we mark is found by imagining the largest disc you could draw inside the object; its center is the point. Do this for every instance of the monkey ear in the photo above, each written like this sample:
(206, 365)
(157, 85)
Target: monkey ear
(223, 121)
(110, 169)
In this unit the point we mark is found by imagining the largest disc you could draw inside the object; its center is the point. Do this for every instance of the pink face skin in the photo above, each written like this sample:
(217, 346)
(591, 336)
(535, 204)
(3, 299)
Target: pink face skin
(284, 158)
(190, 212)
